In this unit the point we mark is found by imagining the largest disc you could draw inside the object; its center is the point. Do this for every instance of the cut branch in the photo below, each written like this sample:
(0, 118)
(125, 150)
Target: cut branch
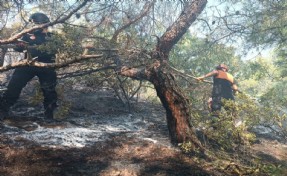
(135, 73)
(26, 62)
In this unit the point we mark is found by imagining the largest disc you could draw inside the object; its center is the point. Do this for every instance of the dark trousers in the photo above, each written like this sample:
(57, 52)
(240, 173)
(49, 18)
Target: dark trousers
(21, 76)
(216, 103)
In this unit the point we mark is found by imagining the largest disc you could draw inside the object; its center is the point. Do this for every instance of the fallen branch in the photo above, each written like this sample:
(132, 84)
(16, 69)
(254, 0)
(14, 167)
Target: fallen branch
(13, 46)
(83, 73)
(26, 62)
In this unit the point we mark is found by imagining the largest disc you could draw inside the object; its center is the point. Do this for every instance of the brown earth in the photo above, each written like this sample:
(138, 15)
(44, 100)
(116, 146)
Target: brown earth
(121, 155)
(145, 152)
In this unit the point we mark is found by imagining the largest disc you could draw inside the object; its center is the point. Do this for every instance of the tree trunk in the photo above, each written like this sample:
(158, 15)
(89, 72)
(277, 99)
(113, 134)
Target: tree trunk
(177, 107)
(176, 104)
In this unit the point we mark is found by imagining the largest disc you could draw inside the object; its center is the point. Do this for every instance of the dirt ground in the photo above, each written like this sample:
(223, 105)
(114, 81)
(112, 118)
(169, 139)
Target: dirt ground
(120, 155)
(141, 149)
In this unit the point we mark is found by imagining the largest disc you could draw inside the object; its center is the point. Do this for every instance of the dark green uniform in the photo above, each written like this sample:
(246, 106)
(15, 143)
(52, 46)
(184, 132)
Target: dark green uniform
(22, 75)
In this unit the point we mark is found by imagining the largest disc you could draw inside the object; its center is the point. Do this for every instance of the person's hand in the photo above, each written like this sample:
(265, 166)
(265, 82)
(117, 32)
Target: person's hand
(200, 78)
(21, 44)
(88, 46)
(236, 91)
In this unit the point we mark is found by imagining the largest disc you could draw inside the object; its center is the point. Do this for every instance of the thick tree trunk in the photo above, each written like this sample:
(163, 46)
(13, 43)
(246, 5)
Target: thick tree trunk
(176, 104)
(177, 107)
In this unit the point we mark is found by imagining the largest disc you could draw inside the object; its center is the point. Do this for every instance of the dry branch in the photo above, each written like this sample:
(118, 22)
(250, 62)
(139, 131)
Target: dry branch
(187, 75)
(144, 12)
(26, 62)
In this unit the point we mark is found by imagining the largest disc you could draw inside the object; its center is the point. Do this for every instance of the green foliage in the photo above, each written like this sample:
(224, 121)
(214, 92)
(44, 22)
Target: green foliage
(275, 96)
(230, 136)
(198, 56)
(233, 127)
(259, 69)
(230, 128)
(66, 43)
(280, 61)
(187, 147)
(266, 22)
(274, 170)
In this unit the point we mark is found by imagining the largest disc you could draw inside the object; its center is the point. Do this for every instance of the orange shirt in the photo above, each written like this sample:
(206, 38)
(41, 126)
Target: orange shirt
(222, 85)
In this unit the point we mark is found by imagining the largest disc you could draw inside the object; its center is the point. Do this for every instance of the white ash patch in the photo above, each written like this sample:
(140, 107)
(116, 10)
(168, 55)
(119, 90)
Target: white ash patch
(81, 132)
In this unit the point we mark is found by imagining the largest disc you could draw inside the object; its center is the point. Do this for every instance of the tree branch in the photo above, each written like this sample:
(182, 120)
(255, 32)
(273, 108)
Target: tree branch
(25, 62)
(85, 72)
(175, 32)
(145, 10)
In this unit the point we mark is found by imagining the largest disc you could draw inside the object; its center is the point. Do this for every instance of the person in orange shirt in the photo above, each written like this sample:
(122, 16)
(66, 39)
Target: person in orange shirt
(224, 86)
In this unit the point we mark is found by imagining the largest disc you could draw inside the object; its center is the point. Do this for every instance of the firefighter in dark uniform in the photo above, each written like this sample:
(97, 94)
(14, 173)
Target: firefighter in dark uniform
(223, 86)
(22, 75)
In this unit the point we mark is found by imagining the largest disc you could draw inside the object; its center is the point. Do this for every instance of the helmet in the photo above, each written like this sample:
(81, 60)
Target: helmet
(39, 18)
(221, 66)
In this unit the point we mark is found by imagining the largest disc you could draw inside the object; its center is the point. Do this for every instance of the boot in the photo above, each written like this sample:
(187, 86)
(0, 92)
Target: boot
(4, 111)
(49, 111)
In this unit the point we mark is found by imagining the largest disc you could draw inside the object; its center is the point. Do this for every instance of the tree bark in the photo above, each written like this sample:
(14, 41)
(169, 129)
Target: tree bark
(177, 106)
(175, 32)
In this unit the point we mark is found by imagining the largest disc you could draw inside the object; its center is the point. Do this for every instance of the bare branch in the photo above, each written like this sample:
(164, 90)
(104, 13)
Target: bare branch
(26, 62)
(145, 10)
(136, 73)
(82, 73)
(187, 75)
(140, 73)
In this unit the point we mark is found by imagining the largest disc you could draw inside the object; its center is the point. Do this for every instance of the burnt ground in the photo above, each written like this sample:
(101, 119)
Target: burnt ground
(100, 137)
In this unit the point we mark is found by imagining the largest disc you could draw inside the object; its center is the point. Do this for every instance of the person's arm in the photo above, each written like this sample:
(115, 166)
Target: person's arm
(235, 89)
(213, 73)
